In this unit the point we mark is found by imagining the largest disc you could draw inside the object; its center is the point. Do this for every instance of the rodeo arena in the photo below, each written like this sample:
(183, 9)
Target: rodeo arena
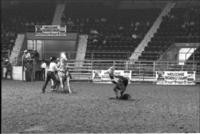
(100, 66)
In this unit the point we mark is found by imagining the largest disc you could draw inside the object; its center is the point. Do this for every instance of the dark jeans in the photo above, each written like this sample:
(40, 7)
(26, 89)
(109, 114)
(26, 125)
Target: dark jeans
(10, 73)
(50, 75)
(43, 74)
(28, 75)
(38, 75)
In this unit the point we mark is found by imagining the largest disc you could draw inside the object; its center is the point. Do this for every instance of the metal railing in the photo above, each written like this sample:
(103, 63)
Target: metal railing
(141, 70)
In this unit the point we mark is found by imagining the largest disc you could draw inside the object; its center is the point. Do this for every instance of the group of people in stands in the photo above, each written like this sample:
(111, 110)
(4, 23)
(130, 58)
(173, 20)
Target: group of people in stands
(180, 25)
(117, 31)
(183, 23)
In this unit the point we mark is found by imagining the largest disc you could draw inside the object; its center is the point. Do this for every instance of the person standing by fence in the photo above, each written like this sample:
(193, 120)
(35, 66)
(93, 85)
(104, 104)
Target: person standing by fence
(8, 69)
(28, 71)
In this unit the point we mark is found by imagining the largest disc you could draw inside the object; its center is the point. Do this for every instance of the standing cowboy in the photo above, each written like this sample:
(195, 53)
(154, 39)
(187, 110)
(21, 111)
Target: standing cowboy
(26, 55)
(51, 74)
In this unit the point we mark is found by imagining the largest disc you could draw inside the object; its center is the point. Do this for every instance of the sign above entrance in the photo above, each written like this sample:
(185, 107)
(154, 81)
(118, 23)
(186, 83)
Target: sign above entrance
(50, 30)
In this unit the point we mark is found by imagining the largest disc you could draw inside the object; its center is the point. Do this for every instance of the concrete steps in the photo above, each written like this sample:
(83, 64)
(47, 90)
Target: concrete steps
(150, 34)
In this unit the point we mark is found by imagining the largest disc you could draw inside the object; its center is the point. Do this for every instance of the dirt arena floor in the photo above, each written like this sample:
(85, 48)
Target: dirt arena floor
(91, 109)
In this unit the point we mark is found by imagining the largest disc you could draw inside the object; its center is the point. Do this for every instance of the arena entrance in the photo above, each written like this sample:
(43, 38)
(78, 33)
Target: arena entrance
(48, 46)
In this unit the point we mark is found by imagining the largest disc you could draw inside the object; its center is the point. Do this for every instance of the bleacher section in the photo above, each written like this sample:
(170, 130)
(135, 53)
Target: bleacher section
(181, 25)
(21, 18)
(113, 34)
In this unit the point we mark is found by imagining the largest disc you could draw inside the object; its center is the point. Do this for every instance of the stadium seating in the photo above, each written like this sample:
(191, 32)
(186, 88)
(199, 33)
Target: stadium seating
(113, 34)
(22, 18)
(181, 25)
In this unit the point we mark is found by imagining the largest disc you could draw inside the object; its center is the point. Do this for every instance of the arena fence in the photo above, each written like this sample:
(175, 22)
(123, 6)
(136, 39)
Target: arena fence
(140, 70)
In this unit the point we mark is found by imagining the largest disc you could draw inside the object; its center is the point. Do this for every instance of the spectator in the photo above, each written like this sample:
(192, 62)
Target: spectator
(134, 36)
(103, 19)
(94, 32)
(26, 55)
(28, 71)
(8, 69)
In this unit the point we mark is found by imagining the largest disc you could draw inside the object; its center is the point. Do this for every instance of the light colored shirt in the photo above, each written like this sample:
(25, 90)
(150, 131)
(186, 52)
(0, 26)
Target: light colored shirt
(28, 55)
(52, 67)
(43, 65)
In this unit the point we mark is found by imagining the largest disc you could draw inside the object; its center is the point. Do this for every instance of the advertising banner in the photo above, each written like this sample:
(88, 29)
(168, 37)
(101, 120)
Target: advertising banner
(175, 77)
(102, 76)
(50, 30)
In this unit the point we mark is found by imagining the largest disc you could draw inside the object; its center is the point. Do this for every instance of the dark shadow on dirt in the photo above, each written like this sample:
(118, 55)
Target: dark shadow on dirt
(135, 100)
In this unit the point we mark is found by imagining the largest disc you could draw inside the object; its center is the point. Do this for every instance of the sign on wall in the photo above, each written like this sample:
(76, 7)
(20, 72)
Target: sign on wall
(50, 30)
(175, 77)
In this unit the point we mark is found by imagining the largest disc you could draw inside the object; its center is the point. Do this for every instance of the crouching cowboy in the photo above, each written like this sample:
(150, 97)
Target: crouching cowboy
(119, 81)
(51, 74)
